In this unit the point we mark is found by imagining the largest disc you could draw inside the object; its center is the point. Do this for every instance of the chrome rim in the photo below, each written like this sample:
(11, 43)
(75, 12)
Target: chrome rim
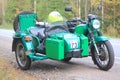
(103, 57)
(20, 54)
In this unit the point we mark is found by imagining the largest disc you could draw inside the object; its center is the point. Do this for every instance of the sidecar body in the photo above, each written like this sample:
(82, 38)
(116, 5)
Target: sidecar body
(32, 42)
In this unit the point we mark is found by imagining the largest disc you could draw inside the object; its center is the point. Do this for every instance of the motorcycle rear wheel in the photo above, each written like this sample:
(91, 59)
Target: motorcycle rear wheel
(105, 59)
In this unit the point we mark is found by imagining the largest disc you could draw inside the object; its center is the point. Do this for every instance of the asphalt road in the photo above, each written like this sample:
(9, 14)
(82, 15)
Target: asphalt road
(76, 69)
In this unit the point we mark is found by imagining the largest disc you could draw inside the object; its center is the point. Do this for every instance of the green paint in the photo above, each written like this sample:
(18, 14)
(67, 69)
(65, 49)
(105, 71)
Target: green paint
(34, 56)
(84, 45)
(55, 48)
(35, 41)
(27, 21)
(71, 41)
(81, 29)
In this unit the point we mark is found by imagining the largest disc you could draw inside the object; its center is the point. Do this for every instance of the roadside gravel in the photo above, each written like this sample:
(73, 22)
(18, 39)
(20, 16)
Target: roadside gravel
(76, 69)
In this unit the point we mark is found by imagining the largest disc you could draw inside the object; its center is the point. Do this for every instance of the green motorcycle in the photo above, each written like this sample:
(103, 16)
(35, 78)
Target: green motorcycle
(100, 48)
(34, 40)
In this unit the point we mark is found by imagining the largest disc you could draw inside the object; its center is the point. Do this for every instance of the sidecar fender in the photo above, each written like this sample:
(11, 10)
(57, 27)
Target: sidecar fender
(101, 38)
(14, 43)
(27, 44)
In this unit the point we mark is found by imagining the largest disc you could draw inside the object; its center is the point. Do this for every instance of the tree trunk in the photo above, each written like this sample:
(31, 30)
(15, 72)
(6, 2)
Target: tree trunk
(86, 3)
(3, 11)
(35, 6)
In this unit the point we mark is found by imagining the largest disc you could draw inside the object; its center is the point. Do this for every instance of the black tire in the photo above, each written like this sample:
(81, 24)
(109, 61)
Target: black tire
(24, 62)
(67, 59)
(16, 20)
(105, 59)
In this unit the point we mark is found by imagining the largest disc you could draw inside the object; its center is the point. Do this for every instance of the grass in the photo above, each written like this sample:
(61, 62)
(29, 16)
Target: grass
(6, 26)
(112, 33)
(4, 76)
(8, 72)
(4, 73)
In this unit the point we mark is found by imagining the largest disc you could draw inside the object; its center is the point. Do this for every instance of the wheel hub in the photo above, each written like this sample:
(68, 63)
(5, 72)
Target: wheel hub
(102, 55)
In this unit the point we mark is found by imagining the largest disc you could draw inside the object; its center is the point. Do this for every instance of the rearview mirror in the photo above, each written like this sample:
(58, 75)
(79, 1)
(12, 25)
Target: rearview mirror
(68, 8)
(100, 7)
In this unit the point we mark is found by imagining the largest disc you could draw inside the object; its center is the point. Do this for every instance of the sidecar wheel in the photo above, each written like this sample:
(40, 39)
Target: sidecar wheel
(105, 59)
(24, 62)
(67, 59)
(16, 20)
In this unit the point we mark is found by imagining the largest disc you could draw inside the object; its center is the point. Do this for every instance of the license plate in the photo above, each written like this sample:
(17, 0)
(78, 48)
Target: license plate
(74, 44)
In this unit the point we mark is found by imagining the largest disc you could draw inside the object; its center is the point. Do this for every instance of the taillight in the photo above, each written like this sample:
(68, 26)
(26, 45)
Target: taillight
(28, 38)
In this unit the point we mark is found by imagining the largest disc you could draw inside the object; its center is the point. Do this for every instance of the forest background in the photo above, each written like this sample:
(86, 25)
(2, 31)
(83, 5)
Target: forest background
(110, 13)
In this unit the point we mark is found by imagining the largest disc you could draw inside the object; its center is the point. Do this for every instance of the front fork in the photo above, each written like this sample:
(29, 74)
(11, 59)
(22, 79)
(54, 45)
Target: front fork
(92, 41)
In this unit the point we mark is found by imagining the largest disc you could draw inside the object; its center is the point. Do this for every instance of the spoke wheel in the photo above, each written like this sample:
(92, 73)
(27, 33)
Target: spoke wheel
(22, 59)
(105, 59)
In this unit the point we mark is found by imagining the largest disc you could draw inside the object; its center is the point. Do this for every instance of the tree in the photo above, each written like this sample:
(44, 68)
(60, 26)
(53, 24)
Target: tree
(2, 11)
(80, 7)
(44, 7)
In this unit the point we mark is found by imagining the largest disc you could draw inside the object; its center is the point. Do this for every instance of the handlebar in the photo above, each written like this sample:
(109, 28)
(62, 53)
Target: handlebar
(74, 22)
(77, 19)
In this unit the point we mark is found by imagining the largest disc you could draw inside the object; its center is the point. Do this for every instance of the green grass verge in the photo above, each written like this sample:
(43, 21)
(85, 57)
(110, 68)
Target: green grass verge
(6, 26)
(8, 72)
(4, 72)
(4, 75)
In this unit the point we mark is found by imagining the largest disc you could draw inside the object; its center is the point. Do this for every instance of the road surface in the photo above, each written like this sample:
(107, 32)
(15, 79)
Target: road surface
(76, 69)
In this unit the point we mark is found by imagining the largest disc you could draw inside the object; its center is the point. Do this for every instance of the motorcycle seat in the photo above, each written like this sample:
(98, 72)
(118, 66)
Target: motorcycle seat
(37, 31)
(42, 32)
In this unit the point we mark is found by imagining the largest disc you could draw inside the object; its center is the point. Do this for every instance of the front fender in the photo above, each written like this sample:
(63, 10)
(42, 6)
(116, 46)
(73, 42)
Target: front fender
(101, 38)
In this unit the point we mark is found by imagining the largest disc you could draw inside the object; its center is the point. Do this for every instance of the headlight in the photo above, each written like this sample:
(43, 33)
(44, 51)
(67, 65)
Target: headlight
(96, 24)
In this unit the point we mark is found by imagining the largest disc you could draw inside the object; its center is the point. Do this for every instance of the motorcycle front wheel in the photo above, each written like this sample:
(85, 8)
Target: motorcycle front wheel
(22, 59)
(105, 59)
(67, 59)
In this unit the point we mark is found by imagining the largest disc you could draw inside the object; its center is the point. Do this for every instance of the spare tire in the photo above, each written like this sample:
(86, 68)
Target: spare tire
(16, 20)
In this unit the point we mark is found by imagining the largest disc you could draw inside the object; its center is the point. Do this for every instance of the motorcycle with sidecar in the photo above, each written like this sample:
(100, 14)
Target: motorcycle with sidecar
(60, 39)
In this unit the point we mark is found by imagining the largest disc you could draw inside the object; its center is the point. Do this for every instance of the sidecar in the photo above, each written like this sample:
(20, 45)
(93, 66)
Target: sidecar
(47, 41)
